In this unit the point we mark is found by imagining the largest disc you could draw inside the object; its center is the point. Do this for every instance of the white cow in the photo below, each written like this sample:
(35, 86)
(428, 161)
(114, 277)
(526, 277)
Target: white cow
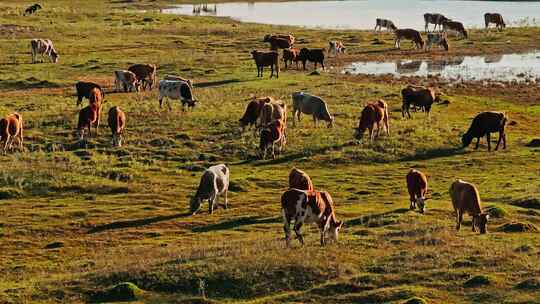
(214, 182)
(43, 47)
(174, 89)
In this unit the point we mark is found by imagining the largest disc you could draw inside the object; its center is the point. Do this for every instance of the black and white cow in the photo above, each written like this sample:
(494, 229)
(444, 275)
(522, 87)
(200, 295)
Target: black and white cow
(214, 182)
(173, 89)
(43, 47)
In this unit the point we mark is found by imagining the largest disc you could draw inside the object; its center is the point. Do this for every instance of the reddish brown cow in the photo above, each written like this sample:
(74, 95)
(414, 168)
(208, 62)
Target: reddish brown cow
(290, 55)
(272, 134)
(298, 179)
(465, 199)
(279, 41)
(83, 90)
(96, 101)
(87, 116)
(11, 128)
(373, 115)
(263, 59)
(417, 186)
(309, 207)
(253, 110)
(117, 123)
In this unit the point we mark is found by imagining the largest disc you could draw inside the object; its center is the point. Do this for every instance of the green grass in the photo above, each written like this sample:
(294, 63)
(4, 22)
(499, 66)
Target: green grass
(121, 213)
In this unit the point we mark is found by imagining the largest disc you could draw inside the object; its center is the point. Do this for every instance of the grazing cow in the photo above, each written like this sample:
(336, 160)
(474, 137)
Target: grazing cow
(310, 104)
(298, 179)
(145, 73)
(312, 55)
(373, 114)
(267, 114)
(117, 123)
(484, 124)
(465, 199)
(290, 55)
(126, 80)
(252, 113)
(272, 134)
(437, 39)
(409, 34)
(455, 26)
(417, 186)
(214, 182)
(32, 9)
(336, 47)
(176, 90)
(95, 99)
(437, 19)
(84, 88)
(279, 41)
(494, 18)
(309, 207)
(87, 116)
(11, 128)
(387, 24)
(263, 59)
(43, 47)
(418, 96)
(178, 78)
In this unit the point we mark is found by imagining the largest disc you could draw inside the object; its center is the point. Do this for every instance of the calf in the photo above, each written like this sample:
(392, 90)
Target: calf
(11, 128)
(380, 23)
(290, 55)
(465, 199)
(417, 186)
(214, 182)
(486, 123)
(43, 47)
(84, 88)
(126, 80)
(309, 207)
(418, 96)
(176, 90)
(437, 39)
(263, 59)
(298, 179)
(455, 26)
(145, 73)
(494, 18)
(409, 34)
(373, 114)
(312, 55)
(87, 116)
(310, 104)
(178, 78)
(336, 47)
(437, 19)
(117, 123)
(32, 9)
(272, 134)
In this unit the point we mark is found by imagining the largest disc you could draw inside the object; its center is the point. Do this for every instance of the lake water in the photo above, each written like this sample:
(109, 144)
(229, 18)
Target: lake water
(519, 67)
(361, 14)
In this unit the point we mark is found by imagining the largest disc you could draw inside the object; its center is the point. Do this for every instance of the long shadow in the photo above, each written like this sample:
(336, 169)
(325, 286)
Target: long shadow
(237, 222)
(374, 217)
(29, 83)
(434, 153)
(136, 223)
(215, 83)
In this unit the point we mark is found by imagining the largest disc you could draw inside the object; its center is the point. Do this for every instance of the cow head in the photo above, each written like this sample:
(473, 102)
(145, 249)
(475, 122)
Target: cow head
(465, 34)
(466, 140)
(195, 204)
(54, 56)
(333, 231)
(359, 133)
(480, 222)
(80, 134)
(421, 202)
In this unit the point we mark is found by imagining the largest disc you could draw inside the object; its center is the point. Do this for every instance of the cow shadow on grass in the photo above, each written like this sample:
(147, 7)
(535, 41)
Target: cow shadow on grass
(434, 153)
(378, 219)
(238, 222)
(29, 83)
(215, 83)
(136, 223)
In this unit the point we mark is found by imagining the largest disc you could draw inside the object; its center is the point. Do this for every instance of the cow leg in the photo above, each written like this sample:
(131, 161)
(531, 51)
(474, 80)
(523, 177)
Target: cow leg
(226, 205)
(378, 129)
(271, 70)
(477, 143)
(412, 206)
(501, 135)
(160, 101)
(286, 228)
(315, 120)
(504, 140)
(488, 137)
(211, 202)
(297, 226)
(459, 218)
(474, 223)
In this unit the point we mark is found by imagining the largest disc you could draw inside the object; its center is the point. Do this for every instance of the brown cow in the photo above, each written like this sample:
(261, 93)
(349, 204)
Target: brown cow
(83, 90)
(290, 38)
(309, 207)
(279, 42)
(96, 101)
(409, 34)
(263, 59)
(298, 179)
(87, 116)
(373, 114)
(290, 55)
(251, 115)
(417, 186)
(145, 73)
(465, 199)
(494, 18)
(117, 123)
(272, 134)
(11, 128)
(418, 96)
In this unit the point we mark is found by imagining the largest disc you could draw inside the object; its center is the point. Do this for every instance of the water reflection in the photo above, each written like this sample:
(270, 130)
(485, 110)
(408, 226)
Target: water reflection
(519, 67)
(204, 9)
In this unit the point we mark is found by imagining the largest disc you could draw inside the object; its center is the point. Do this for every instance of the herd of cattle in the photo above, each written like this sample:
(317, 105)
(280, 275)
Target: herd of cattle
(301, 203)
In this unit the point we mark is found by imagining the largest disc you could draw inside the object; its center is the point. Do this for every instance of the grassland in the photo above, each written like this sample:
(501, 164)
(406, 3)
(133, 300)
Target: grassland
(115, 215)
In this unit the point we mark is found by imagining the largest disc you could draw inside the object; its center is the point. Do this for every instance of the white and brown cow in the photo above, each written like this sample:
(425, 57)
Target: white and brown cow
(173, 89)
(336, 48)
(126, 81)
(309, 207)
(43, 47)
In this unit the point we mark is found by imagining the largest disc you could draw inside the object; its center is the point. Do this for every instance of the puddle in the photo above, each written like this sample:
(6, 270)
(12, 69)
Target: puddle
(518, 67)
(362, 14)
